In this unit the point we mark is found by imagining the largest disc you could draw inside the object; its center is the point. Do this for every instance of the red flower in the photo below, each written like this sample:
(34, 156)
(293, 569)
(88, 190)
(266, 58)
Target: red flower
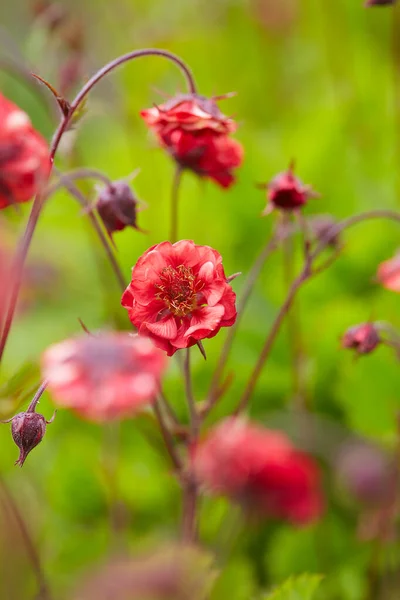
(102, 377)
(363, 338)
(179, 295)
(196, 134)
(260, 469)
(117, 207)
(287, 192)
(24, 157)
(389, 273)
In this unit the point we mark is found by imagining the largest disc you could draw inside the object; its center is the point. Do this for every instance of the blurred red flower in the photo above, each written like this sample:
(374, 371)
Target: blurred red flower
(389, 273)
(287, 192)
(196, 134)
(179, 295)
(363, 338)
(260, 469)
(24, 156)
(105, 376)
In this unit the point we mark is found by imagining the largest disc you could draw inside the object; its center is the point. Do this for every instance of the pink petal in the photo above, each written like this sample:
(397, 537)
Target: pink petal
(166, 328)
(207, 318)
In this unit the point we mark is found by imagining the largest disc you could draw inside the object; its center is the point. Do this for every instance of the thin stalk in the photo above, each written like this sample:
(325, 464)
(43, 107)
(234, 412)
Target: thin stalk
(174, 204)
(189, 512)
(193, 415)
(304, 276)
(35, 400)
(163, 401)
(271, 339)
(213, 394)
(31, 550)
(167, 437)
(39, 201)
(74, 191)
(293, 326)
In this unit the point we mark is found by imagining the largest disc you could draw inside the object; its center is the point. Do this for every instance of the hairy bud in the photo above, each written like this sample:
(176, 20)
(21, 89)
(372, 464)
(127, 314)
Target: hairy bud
(117, 207)
(28, 429)
(363, 338)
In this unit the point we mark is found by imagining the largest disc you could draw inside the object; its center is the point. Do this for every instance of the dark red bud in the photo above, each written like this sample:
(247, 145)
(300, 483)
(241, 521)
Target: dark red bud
(363, 338)
(117, 207)
(28, 429)
(379, 2)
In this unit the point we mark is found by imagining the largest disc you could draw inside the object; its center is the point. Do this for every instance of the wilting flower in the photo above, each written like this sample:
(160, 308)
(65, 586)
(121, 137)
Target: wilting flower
(27, 429)
(24, 157)
(260, 469)
(196, 134)
(117, 206)
(105, 376)
(179, 295)
(363, 338)
(286, 192)
(389, 273)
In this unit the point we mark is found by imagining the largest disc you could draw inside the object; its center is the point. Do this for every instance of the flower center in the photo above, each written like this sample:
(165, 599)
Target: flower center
(179, 290)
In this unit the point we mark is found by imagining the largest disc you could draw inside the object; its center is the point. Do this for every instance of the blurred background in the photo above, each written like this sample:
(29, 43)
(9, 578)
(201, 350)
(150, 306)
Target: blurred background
(318, 82)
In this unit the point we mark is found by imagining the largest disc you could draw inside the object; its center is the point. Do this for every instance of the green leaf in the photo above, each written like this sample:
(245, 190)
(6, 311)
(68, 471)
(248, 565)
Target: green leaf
(296, 588)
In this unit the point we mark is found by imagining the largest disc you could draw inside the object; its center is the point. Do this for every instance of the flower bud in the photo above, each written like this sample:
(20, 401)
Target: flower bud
(363, 338)
(379, 2)
(322, 228)
(27, 429)
(117, 207)
(286, 192)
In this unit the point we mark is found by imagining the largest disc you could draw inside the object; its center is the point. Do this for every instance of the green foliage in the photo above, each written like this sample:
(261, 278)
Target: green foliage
(296, 588)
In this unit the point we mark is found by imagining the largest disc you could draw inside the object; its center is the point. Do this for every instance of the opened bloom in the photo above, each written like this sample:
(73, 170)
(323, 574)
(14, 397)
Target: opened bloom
(260, 469)
(389, 273)
(179, 295)
(24, 157)
(105, 376)
(196, 134)
(363, 338)
(286, 192)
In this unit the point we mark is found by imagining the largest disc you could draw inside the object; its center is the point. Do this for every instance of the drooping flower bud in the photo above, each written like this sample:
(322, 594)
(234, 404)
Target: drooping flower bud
(363, 338)
(322, 228)
(117, 207)
(286, 192)
(27, 429)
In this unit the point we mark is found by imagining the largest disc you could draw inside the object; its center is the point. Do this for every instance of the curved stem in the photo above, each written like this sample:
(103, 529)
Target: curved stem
(44, 592)
(37, 396)
(38, 203)
(75, 174)
(306, 274)
(174, 204)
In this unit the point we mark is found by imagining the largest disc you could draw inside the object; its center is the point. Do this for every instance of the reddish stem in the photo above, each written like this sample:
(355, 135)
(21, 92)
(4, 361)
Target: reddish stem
(38, 203)
(306, 274)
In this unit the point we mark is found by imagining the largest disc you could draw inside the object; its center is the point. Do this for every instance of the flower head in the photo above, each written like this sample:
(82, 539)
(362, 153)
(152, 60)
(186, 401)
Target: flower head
(179, 295)
(260, 469)
(117, 206)
(363, 338)
(110, 375)
(24, 157)
(286, 192)
(196, 134)
(389, 273)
